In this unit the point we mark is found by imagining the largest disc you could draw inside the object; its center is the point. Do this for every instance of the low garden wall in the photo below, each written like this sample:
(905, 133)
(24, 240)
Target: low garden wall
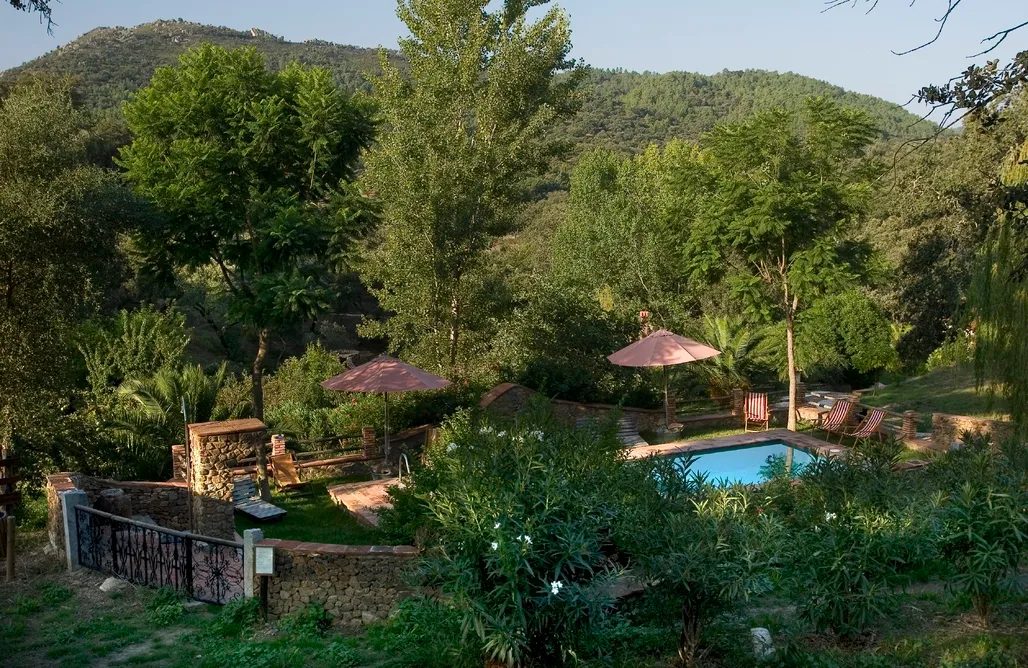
(508, 399)
(166, 503)
(946, 429)
(355, 584)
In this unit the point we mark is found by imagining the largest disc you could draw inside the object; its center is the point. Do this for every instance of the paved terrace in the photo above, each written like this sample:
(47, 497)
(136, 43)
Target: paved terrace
(808, 443)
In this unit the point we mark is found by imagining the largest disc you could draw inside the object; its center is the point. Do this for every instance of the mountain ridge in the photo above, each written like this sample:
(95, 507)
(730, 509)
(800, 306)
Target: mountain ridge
(622, 110)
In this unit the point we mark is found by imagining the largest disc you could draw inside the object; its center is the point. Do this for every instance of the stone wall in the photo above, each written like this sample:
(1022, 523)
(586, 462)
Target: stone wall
(947, 429)
(166, 503)
(355, 584)
(215, 448)
(509, 399)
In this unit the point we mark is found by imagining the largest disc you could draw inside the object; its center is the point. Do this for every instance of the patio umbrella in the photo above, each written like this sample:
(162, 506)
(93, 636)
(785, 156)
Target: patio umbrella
(663, 348)
(385, 374)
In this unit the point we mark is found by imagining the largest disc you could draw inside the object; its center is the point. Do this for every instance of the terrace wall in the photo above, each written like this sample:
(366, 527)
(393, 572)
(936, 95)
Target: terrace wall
(355, 584)
(509, 399)
(166, 503)
(946, 429)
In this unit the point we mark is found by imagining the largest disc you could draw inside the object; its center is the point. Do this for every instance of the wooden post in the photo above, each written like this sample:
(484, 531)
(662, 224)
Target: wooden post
(738, 401)
(9, 539)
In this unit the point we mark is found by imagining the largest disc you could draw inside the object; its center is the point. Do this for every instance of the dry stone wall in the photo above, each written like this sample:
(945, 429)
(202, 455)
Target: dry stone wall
(215, 448)
(355, 584)
(947, 429)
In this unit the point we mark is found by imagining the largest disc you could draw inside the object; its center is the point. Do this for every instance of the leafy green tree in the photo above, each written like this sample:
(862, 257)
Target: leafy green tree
(741, 355)
(60, 222)
(42, 7)
(776, 226)
(250, 169)
(845, 331)
(467, 122)
(133, 345)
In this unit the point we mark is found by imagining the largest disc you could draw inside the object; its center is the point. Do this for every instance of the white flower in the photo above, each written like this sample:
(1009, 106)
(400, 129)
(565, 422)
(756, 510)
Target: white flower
(485, 430)
(556, 586)
(496, 526)
(526, 539)
(495, 545)
(502, 433)
(451, 447)
(830, 516)
(538, 435)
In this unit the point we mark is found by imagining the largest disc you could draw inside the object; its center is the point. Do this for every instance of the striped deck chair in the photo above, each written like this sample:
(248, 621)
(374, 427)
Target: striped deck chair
(868, 426)
(833, 421)
(756, 411)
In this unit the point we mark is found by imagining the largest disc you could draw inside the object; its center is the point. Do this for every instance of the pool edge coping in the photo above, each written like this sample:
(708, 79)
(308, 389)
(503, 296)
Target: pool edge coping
(795, 439)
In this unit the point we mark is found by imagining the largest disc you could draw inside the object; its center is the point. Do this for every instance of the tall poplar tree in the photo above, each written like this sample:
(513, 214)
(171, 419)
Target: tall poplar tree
(467, 122)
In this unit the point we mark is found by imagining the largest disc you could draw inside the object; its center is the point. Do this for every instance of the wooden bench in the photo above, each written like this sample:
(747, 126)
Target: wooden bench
(248, 502)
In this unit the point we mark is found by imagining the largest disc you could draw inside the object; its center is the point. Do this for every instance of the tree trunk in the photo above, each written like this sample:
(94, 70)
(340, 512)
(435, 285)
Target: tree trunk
(689, 638)
(790, 341)
(454, 329)
(258, 412)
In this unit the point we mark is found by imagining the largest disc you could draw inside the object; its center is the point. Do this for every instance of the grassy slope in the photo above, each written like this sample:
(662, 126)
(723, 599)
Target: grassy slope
(947, 390)
(314, 518)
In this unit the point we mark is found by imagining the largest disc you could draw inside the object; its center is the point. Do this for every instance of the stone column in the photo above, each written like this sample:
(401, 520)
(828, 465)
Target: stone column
(801, 394)
(738, 401)
(250, 539)
(215, 448)
(909, 425)
(70, 499)
(369, 441)
(278, 445)
(178, 462)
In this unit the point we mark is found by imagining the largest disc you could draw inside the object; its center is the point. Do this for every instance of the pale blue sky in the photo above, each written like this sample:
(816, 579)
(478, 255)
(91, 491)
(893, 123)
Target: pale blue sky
(843, 46)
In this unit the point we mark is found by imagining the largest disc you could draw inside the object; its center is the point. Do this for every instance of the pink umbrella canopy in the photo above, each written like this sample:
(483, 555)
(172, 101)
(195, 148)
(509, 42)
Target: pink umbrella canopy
(385, 374)
(662, 348)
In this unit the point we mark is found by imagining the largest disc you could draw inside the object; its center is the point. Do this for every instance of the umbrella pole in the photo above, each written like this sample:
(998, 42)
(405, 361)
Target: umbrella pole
(667, 406)
(386, 423)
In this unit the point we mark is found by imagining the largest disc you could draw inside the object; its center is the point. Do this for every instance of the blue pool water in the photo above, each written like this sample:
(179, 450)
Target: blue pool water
(741, 464)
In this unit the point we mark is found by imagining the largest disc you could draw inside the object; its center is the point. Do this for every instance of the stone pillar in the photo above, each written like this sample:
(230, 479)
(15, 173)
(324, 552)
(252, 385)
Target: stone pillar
(909, 425)
(70, 499)
(738, 401)
(854, 399)
(278, 445)
(178, 462)
(369, 441)
(250, 539)
(215, 448)
(672, 407)
(801, 394)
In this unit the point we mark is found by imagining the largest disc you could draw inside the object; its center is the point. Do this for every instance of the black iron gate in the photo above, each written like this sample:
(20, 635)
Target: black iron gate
(206, 569)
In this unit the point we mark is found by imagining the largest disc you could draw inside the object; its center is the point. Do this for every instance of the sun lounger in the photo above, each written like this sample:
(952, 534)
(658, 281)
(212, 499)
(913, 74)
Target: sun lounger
(836, 418)
(284, 471)
(247, 501)
(867, 428)
(756, 411)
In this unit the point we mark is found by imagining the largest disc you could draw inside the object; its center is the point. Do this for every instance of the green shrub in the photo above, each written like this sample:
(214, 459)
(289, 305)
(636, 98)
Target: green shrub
(980, 652)
(298, 380)
(522, 513)
(311, 621)
(165, 606)
(985, 539)
(235, 618)
(55, 594)
(426, 633)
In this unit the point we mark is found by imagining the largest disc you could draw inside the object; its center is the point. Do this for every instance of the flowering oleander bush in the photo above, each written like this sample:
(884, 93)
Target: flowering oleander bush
(520, 515)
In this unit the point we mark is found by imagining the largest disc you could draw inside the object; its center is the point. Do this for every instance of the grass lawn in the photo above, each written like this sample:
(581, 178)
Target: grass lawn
(947, 390)
(689, 434)
(314, 518)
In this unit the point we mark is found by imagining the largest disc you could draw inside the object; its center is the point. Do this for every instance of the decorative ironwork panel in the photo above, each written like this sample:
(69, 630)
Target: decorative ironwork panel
(206, 569)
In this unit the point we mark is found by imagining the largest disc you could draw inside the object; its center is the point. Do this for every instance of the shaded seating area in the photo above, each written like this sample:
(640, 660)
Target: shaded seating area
(756, 410)
(248, 502)
(867, 428)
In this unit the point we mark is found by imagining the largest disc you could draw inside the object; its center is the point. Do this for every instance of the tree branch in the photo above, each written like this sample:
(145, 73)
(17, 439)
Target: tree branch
(1002, 35)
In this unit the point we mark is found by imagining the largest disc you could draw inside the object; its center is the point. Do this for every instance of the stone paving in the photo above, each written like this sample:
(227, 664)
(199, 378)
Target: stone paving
(364, 499)
(795, 439)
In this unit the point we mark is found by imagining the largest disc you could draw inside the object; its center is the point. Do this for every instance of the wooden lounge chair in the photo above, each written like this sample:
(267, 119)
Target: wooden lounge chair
(247, 501)
(284, 471)
(868, 426)
(836, 418)
(756, 411)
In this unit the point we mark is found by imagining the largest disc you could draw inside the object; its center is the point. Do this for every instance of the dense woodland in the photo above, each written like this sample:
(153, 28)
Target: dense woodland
(591, 227)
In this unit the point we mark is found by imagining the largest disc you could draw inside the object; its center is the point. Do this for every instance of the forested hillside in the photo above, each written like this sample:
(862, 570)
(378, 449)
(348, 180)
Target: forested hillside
(621, 110)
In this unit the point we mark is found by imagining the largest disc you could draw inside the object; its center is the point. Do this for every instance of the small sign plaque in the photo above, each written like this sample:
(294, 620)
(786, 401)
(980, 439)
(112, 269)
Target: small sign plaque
(264, 560)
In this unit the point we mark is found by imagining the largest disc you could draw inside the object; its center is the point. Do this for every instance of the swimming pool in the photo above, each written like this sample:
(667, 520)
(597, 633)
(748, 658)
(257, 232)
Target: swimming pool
(741, 464)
